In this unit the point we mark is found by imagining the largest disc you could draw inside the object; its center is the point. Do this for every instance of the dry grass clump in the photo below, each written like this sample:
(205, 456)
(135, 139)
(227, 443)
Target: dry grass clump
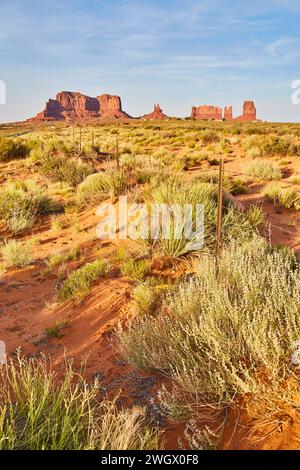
(40, 412)
(97, 187)
(228, 331)
(263, 169)
(79, 282)
(22, 202)
(286, 198)
(58, 257)
(12, 149)
(64, 169)
(16, 254)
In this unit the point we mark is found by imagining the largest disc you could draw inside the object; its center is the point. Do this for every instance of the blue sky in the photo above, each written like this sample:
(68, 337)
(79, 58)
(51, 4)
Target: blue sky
(177, 53)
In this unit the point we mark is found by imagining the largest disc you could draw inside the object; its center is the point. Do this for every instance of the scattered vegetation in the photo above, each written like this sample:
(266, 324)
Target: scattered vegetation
(16, 254)
(263, 169)
(79, 282)
(287, 198)
(40, 412)
(22, 202)
(215, 335)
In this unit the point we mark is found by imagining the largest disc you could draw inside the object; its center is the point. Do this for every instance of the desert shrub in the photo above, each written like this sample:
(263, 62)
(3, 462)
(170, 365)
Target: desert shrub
(277, 146)
(95, 188)
(237, 186)
(184, 238)
(64, 169)
(263, 169)
(79, 282)
(12, 149)
(57, 257)
(135, 269)
(218, 332)
(148, 295)
(39, 411)
(56, 330)
(210, 137)
(285, 197)
(16, 254)
(22, 202)
(254, 152)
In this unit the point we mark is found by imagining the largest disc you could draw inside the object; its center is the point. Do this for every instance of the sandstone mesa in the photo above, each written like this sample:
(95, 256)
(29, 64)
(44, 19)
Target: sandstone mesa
(75, 106)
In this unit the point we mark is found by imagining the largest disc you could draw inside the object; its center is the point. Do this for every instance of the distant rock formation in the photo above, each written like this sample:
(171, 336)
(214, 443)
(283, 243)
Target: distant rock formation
(214, 113)
(228, 113)
(156, 114)
(207, 113)
(73, 106)
(111, 106)
(249, 112)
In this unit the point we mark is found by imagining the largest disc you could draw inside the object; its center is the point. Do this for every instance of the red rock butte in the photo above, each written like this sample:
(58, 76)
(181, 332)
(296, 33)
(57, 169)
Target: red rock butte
(156, 114)
(215, 113)
(73, 106)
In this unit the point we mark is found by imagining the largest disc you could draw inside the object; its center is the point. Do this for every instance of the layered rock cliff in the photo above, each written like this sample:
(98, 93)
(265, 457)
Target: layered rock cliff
(73, 106)
(214, 113)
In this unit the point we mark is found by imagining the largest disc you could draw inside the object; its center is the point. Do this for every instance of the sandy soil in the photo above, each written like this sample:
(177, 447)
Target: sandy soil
(28, 308)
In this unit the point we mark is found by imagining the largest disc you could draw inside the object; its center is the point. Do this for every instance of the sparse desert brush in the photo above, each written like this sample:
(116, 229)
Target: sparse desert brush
(216, 332)
(295, 179)
(237, 186)
(39, 411)
(263, 169)
(254, 152)
(57, 257)
(79, 282)
(64, 169)
(210, 137)
(278, 146)
(148, 295)
(22, 202)
(136, 269)
(16, 254)
(286, 198)
(12, 149)
(56, 330)
(99, 186)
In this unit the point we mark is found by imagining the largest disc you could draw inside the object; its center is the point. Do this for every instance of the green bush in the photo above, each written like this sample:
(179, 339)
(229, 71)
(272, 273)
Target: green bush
(285, 197)
(136, 269)
(235, 223)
